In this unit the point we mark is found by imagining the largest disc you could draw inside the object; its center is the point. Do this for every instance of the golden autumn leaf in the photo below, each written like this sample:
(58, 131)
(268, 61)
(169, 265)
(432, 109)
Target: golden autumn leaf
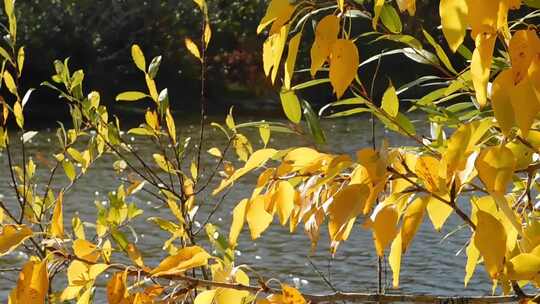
(428, 169)
(273, 51)
(135, 255)
(438, 212)
(481, 65)
(490, 239)
(239, 218)
(33, 284)
(344, 63)
(524, 266)
(473, 255)
(257, 217)
(495, 167)
(412, 219)
(501, 101)
(521, 51)
(291, 295)
(138, 57)
(185, 259)
(384, 226)
(346, 204)
(57, 222)
(407, 5)
(12, 236)
(193, 48)
(116, 288)
(85, 250)
(377, 8)
(524, 97)
(284, 200)
(278, 13)
(394, 259)
(290, 62)
(326, 33)
(257, 159)
(205, 297)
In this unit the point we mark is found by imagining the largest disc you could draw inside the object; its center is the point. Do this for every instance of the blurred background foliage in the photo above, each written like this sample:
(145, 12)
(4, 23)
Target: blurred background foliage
(97, 36)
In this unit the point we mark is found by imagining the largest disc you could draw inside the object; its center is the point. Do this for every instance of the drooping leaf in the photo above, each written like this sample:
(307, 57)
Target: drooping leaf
(490, 239)
(326, 34)
(12, 236)
(290, 62)
(344, 63)
(185, 259)
(57, 222)
(291, 106)
(454, 21)
(481, 65)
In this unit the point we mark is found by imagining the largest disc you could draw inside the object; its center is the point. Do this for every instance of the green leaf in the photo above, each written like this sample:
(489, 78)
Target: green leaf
(390, 102)
(131, 96)
(291, 106)
(390, 19)
(440, 52)
(138, 57)
(69, 169)
(406, 39)
(313, 123)
(310, 83)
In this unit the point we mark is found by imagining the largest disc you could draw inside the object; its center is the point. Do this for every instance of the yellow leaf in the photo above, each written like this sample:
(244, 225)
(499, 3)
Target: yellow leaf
(490, 239)
(346, 204)
(135, 255)
(185, 259)
(131, 96)
(171, 126)
(384, 226)
(10, 83)
(278, 12)
(390, 102)
(116, 288)
(205, 297)
(291, 106)
(377, 8)
(194, 170)
(257, 159)
(524, 97)
(33, 284)
(257, 217)
(207, 34)
(501, 102)
(521, 51)
(264, 133)
(18, 112)
(472, 259)
(407, 5)
(284, 200)
(290, 295)
(273, 50)
(326, 34)
(438, 212)
(138, 57)
(483, 16)
(12, 236)
(201, 4)
(412, 220)
(85, 250)
(524, 266)
(481, 65)
(215, 152)
(78, 228)
(239, 218)
(57, 222)
(428, 169)
(151, 84)
(290, 62)
(495, 167)
(344, 63)
(394, 259)
(193, 48)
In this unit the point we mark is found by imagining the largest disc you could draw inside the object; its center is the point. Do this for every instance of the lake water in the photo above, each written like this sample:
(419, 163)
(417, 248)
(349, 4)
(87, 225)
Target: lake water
(430, 266)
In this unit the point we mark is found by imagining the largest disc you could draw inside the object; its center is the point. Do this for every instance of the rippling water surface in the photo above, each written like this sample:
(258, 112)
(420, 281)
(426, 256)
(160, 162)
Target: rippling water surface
(432, 264)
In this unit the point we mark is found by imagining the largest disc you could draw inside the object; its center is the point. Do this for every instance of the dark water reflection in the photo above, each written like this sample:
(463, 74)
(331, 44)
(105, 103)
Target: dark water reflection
(430, 266)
